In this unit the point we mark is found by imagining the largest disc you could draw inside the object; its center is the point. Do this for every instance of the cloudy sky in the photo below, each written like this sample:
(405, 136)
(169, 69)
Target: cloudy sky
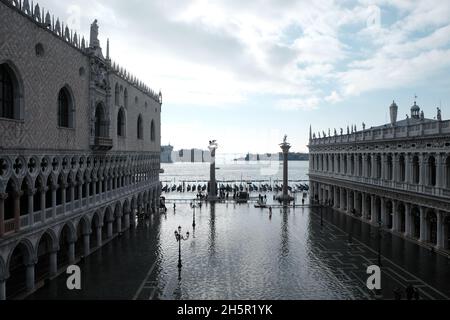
(248, 72)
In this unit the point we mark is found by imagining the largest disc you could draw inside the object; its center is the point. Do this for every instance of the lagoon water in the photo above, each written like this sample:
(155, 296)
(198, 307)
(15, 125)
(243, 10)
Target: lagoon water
(235, 251)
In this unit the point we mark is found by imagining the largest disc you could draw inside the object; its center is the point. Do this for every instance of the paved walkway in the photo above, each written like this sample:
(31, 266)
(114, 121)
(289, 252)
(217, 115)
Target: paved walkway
(403, 262)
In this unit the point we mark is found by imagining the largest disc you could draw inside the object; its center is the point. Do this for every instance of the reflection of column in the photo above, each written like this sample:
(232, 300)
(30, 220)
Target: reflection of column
(407, 219)
(422, 224)
(373, 209)
(341, 199)
(349, 205)
(383, 211)
(395, 216)
(53, 268)
(86, 243)
(439, 242)
(71, 252)
(3, 197)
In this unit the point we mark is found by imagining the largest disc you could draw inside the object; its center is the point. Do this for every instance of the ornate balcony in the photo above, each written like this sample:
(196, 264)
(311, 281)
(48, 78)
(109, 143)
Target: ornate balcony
(102, 144)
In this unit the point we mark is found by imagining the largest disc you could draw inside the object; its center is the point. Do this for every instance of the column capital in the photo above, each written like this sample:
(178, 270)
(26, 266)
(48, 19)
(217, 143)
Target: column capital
(43, 189)
(3, 196)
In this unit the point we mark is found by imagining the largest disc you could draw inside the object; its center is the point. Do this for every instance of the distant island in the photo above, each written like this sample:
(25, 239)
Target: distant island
(295, 156)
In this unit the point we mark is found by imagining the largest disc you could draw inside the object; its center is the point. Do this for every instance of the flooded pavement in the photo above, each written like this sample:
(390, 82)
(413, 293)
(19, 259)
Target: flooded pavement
(240, 252)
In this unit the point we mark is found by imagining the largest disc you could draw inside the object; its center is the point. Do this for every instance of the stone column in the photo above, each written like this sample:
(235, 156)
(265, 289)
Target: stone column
(396, 166)
(53, 201)
(127, 220)
(423, 224)
(63, 187)
(53, 263)
(363, 206)
(30, 195)
(355, 201)
(100, 189)
(364, 166)
(17, 196)
(30, 276)
(99, 236)
(408, 169)
(43, 190)
(395, 217)
(341, 199)
(94, 191)
(88, 191)
(407, 219)
(422, 171)
(72, 196)
(440, 172)
(80, 195)
(109, 230)
(3, 197)
(373, 210)
(383, 166)
(119, 223)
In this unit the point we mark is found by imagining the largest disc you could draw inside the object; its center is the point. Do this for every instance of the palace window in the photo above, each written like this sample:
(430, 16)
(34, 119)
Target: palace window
(100, 125)
(65, 109)
(140, 129)
(152, 131)
(9, 93)
(121, 123)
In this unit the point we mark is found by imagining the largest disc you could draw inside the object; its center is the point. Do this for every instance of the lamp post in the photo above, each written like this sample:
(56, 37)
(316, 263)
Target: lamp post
(179, 237)
(193, 206)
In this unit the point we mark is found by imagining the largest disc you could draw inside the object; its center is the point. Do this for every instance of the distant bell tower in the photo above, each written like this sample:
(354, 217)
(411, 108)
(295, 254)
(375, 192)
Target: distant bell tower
(394, 111)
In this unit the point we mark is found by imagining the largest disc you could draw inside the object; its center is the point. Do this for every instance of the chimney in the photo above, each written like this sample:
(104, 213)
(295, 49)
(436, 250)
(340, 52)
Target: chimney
(394, 111)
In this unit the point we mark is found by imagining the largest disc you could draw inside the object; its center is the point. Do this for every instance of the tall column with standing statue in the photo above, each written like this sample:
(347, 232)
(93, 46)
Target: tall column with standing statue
(212, 192)
(285, 197)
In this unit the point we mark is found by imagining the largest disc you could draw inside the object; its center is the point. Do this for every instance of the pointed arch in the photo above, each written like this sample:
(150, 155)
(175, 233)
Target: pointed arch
(11, 92)
(152, 131)
(140, 128)
(66, 108)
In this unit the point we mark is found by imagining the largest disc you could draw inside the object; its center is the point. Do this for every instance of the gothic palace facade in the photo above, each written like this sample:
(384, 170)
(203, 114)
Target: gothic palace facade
(396, 176)
(79, 147)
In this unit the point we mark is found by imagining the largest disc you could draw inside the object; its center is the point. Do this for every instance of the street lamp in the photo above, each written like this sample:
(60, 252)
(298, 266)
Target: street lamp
(193, 206)
(179, 237)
